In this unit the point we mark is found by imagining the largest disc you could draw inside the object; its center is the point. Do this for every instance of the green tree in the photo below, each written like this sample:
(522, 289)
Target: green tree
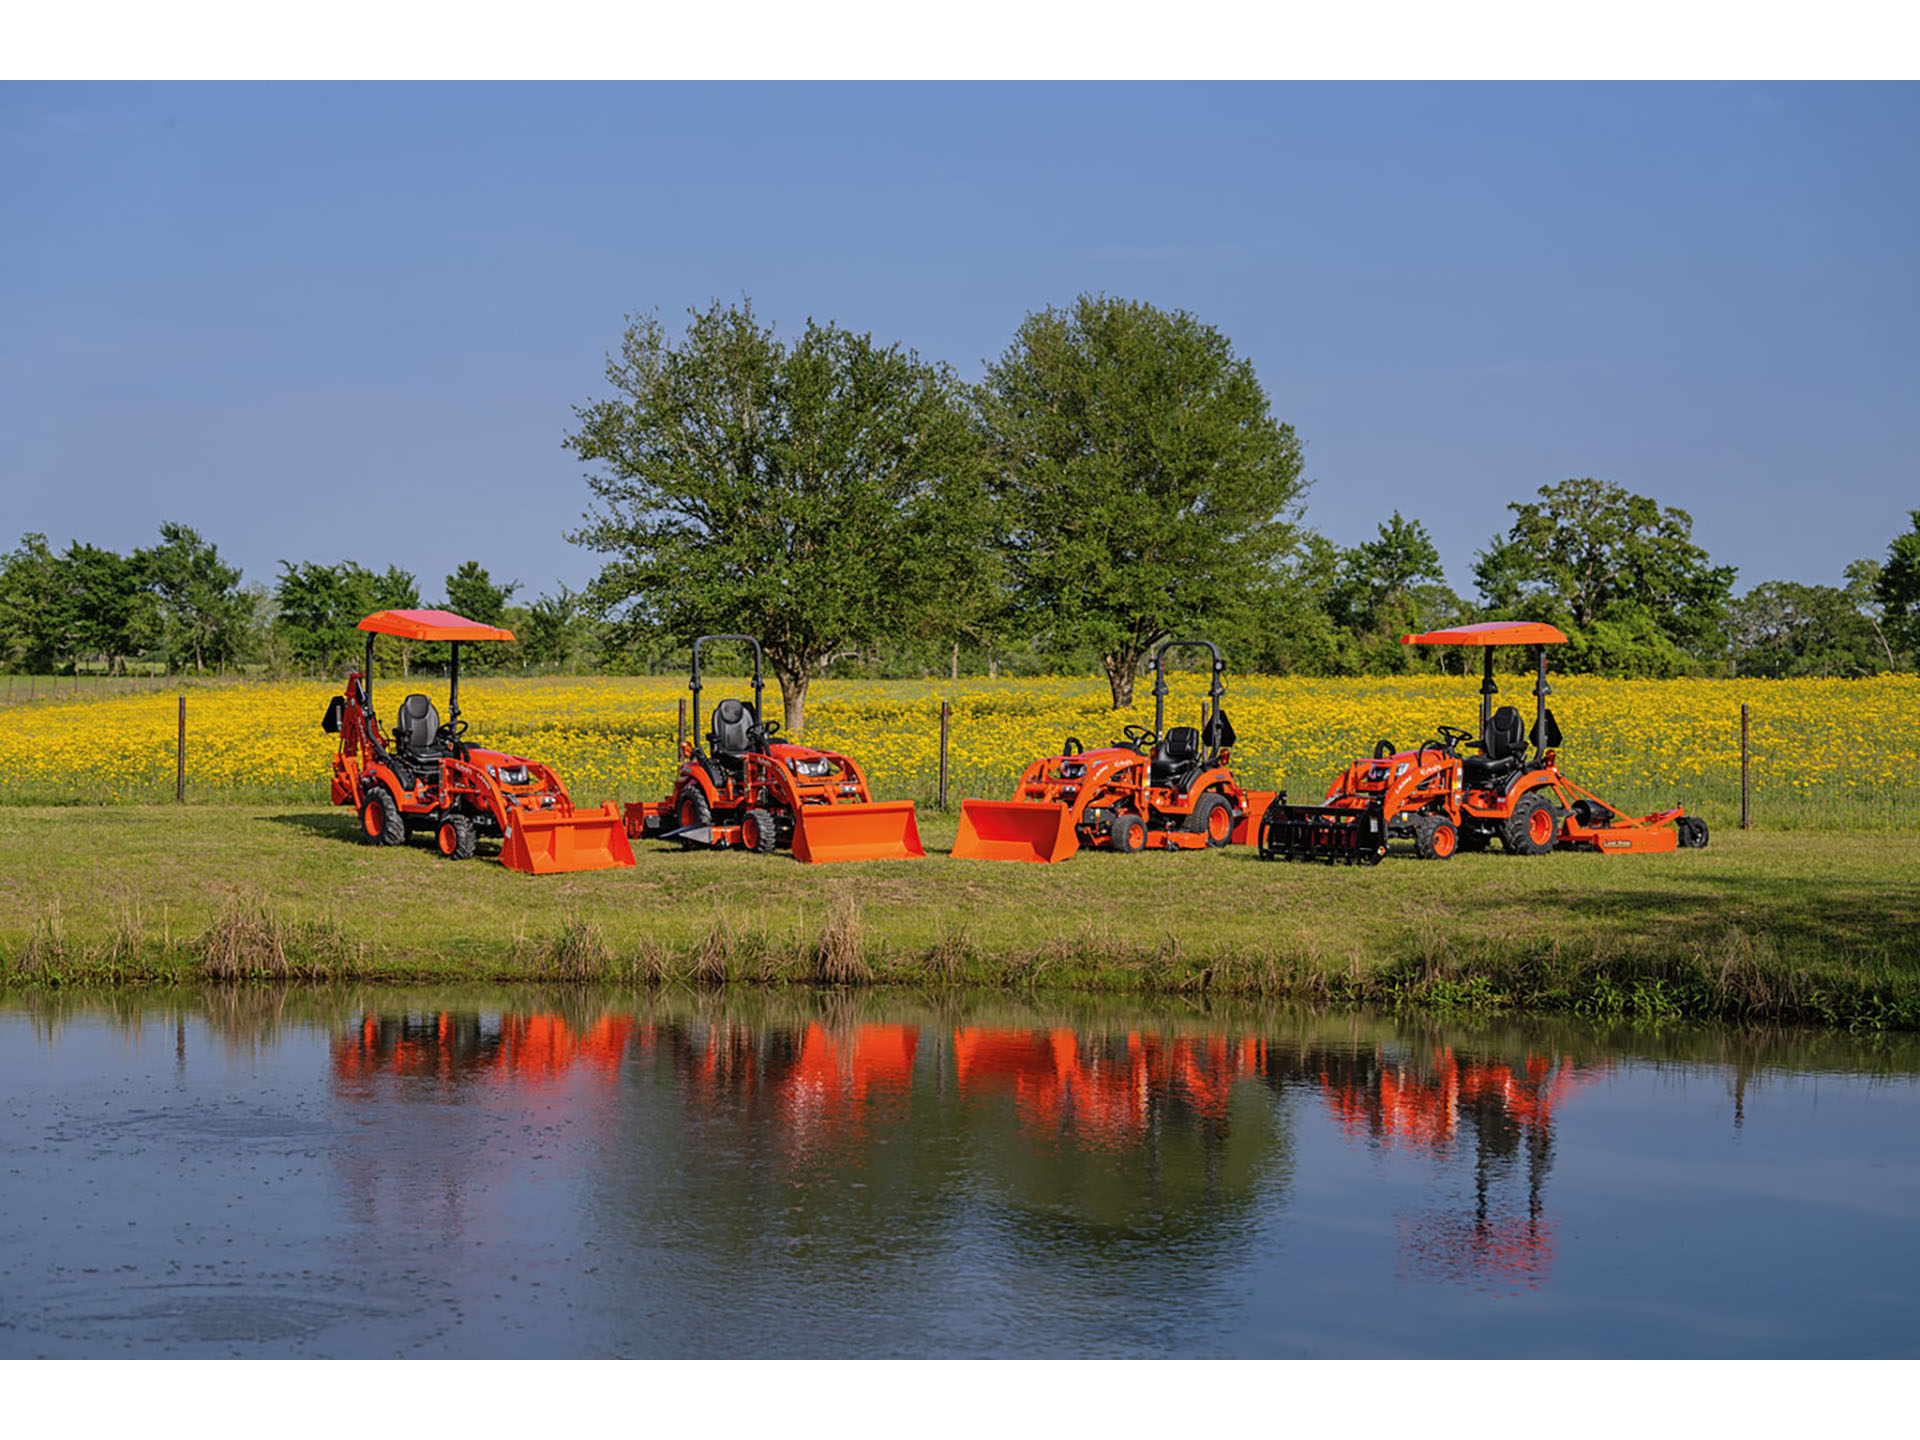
(201, 610)
(1620, 571)
(112, 614)
(319, 608)
(1147, 487)
(802, 493)
(1897, 587)
(553, 631)
(1780, 628)
(472, 593)
(36, 605)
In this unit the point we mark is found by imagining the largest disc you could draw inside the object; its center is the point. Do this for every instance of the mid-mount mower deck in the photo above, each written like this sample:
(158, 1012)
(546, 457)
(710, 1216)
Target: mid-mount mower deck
(748, 790)
(1445, 801)
(425, 777)
(1159, 789)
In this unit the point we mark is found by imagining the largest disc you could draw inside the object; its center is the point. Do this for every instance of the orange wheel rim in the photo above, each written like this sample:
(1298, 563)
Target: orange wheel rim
(371, 819)
(686, 813)
(1220, 822)
(1540, 827)
(1443, 840)
(448, 843)
(750, 833)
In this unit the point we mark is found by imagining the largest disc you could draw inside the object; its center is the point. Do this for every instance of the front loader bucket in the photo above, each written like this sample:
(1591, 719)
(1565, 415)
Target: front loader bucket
(882, 830)
(1036, 830)
(548, 842)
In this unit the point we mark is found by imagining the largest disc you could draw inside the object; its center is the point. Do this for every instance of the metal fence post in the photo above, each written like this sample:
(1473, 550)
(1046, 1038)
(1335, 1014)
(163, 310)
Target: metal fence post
(946, 710)
(1746, 790)
(180, 758)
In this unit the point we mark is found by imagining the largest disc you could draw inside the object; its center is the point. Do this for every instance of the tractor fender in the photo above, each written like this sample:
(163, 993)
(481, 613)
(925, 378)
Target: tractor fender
(695, 774)
(378, 772)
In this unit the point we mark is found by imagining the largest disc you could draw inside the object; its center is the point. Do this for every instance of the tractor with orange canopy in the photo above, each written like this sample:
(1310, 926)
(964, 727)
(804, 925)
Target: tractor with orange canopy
(1445, 800)
(749, 790)
(1151, 789)
(425, 776)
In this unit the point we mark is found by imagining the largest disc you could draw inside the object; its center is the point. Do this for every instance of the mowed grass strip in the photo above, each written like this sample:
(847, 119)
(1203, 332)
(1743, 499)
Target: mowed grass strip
(1821, 928)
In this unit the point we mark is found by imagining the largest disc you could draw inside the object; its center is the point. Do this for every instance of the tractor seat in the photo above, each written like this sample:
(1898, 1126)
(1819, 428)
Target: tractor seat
(416, 730)
(1505, 753)
(1176, 758)
(732, 734)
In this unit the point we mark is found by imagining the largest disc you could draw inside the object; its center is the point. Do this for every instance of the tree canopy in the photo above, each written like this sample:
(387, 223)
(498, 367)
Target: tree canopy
(1145, 487)
(813, 494)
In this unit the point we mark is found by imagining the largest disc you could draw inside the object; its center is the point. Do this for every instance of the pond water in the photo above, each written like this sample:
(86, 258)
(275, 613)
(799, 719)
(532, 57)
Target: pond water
(501, 1172)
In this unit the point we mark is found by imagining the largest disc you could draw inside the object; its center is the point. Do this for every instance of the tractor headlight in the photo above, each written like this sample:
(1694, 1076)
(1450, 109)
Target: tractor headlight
(814, 769)
(510, 774)
(1073, 772)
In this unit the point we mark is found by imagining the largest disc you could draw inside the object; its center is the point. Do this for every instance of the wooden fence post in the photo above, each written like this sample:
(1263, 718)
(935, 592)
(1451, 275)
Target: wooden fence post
(681, 744)
(1746, 790)
(180, 758)
(946, 710)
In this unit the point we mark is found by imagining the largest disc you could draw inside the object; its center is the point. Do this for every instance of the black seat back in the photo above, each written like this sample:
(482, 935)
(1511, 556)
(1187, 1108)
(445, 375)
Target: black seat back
(1506, 735)
(1175, 754)
(732, 722)
(417, 725)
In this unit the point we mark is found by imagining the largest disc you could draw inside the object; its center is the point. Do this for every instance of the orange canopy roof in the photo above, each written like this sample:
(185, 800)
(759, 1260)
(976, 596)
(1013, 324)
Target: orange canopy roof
(431, 625)
(1491, 632)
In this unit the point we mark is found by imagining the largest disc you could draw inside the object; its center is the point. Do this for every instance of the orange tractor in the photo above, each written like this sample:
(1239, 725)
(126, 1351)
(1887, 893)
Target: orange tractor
(748, 790)
(1159, 789)
(424, 776)
(1446, 801)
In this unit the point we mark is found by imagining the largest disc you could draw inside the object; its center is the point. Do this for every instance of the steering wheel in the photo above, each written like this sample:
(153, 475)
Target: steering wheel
(1382, 749)
(1139, 737)
(1452, 736)
(452, 730)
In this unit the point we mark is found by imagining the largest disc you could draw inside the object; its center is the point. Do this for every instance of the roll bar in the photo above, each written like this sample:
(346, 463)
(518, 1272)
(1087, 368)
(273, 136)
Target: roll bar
(1215, 694)
(693, 682)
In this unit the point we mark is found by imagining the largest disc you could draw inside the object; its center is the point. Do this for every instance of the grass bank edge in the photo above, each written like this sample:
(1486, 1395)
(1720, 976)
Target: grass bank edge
(1736, 975)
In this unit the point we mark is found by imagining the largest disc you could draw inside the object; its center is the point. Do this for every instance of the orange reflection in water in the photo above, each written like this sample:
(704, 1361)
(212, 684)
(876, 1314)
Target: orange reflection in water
(451, 1047)
(1510, 1113)
(1103, 1093)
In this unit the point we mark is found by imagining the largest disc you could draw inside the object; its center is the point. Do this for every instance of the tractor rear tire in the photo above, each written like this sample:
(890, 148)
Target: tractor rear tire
(1435, 839)
(1213, 817)
(1128, 834)
(381, 822)
(694, 811)
(757, 831)
(455, 837)
(1532, 828)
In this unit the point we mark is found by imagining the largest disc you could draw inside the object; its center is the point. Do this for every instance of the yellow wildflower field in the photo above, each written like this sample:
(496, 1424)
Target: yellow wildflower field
(1824, 752)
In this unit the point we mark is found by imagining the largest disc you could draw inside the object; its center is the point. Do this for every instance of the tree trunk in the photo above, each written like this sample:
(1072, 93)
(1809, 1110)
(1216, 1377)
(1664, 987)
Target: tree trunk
(1120, 670)
(793, 694)
(954, 673)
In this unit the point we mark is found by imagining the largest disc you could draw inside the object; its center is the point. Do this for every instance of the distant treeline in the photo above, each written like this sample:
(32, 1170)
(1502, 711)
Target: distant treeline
(1116, 477)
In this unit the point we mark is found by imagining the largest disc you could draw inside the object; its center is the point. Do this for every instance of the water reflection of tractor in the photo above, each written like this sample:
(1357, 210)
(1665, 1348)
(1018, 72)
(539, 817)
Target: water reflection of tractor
(426, 776)
(1445, 800)
(747, 789)
(1151, 789)
(1509, 1110)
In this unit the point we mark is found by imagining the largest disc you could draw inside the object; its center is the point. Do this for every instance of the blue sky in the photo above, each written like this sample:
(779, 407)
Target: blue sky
(320, 321)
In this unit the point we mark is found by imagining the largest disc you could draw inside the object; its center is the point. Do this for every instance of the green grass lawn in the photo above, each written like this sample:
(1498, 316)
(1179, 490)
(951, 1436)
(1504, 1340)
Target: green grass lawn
(1768, 926)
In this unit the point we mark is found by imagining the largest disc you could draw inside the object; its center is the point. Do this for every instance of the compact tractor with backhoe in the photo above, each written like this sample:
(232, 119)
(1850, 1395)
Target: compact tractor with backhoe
(425, 776)
(1152, 789)
(749, 790)
(1445, 801)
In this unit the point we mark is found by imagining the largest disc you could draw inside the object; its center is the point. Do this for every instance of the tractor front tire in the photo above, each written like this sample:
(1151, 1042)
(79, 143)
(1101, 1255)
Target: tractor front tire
(1532, 828)
(693, 811)
(1436, 839)
(757, 831)
(1213, 817)
(455, 837)
(381, 822)
(1128, 834)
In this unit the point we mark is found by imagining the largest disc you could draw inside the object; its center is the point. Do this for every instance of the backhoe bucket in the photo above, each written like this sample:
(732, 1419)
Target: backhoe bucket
(882, 830)
(1037, 830)
(549, 842)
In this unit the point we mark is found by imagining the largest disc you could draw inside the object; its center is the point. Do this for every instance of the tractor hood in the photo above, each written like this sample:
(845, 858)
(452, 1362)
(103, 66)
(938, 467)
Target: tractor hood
(805, 760)
(508, 769)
